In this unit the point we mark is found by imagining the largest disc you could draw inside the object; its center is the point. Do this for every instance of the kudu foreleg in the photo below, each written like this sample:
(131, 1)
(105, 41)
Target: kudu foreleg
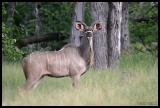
(29, 84)
(76, 80)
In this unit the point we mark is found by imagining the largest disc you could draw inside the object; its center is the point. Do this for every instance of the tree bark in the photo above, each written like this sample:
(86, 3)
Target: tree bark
(99, 12)
(77, 16)
(107, 42)
(124, 27)
(37, 22)
(114, 32)
(11, 6)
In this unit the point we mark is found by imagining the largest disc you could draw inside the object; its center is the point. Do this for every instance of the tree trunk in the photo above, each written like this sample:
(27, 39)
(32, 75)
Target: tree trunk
(37, 22)
(99, 12)
(114, 32)
(11, 9)
(11, 6)
(77, 16)
(107, 42)
(124, 27)
(138, 12)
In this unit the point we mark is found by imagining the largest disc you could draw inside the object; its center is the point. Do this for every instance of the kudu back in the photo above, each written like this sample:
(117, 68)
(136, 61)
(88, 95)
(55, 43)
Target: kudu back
(70, 61)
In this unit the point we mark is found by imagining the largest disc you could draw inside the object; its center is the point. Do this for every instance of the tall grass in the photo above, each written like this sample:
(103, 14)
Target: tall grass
(133, 82)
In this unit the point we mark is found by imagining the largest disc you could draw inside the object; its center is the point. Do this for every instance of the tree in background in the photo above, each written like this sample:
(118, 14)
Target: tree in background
(124, 27)
(107, 44)
(78, 15)
(114, 32)
(56, 18)
(143, 27)
(37, 22)
(11, 7)
(99, 12)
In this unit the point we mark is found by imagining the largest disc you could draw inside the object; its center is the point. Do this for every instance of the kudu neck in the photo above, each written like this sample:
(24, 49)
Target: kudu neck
(86, 49)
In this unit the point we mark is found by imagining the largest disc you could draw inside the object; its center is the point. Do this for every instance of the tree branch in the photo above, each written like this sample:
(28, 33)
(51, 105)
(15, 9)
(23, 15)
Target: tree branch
(42, 38)
(146, 19)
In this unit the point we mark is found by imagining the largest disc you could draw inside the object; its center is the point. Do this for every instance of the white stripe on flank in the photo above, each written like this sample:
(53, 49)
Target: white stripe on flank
(30, 58)
(61, 49)
(47, 62)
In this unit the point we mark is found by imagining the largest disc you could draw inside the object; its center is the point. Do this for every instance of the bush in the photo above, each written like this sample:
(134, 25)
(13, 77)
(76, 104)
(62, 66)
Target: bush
(8, 45)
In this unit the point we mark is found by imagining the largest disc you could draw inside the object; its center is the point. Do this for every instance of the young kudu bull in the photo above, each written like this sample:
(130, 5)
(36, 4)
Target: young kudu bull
(69, 61)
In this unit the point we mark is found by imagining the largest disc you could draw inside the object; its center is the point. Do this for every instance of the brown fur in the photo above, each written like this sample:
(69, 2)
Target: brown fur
(70, 61)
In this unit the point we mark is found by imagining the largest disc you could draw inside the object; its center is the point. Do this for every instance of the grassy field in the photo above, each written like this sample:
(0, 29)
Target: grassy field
(133, 82)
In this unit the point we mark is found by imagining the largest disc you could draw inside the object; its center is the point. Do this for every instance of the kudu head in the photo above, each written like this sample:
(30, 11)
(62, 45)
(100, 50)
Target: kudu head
(86, 36)
(88, 30)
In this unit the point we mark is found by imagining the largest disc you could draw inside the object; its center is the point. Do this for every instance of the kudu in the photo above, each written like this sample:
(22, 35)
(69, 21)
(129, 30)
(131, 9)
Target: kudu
(70, 61)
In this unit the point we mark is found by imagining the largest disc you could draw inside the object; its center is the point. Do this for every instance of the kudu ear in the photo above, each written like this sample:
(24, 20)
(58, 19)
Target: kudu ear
(97, 26)
(80, 26)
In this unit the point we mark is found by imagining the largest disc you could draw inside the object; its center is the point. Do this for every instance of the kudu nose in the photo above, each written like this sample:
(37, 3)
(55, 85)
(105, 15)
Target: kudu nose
(89, 33)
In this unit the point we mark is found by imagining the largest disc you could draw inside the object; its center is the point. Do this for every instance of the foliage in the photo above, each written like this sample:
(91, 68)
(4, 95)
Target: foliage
(143, 34)
(87, 14)
(54, 17)
(8, 43)
(57, 17)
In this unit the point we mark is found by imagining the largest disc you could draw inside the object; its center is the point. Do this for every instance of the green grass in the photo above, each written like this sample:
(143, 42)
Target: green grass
(133, 82)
